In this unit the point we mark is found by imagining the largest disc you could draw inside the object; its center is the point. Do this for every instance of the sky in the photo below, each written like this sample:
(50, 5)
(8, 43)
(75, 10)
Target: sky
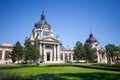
(70, 19)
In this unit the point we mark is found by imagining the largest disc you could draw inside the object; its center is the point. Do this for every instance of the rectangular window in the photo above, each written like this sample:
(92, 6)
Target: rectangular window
(61, 56)
(45, 33)
(74, 58)
(48, 46)
(7, 55)
(69, 56)
(66, 56)
(0, 54)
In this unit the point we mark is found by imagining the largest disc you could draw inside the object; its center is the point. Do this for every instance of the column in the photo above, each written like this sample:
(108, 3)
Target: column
(40, 49)
(3, 55)
(45, 58)
(58, 52)
(67, 56)
(51, 56)
(98, 57)
(54, 51)
(71, 56)
(40, 46)
(105, 58)
(63, 56)
(43, 53)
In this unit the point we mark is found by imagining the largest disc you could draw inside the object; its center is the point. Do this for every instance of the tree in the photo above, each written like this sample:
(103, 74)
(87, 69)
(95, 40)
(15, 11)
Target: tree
(13, 56)
(116, 53)
(36, 55)
(31, 53)
(112, 52)
(17, 52)
(90, 55)
(109, 50)
(78, 51)
(118, 56)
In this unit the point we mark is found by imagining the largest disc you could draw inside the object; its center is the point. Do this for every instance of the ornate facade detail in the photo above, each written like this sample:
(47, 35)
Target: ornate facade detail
(42, 36)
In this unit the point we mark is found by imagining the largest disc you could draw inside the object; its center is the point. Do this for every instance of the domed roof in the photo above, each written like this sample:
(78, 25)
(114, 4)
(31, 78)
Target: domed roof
(42, 23)
(91, 39)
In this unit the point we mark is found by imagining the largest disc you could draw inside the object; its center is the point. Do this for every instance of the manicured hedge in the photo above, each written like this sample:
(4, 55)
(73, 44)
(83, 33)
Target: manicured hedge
(6, 67)
(112, 67)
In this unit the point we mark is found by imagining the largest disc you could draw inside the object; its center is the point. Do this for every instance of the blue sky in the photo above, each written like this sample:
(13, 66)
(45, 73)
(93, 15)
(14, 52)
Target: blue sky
(70, 19)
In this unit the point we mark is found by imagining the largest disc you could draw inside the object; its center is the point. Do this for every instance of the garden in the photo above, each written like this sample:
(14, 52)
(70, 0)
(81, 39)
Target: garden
(66, 71)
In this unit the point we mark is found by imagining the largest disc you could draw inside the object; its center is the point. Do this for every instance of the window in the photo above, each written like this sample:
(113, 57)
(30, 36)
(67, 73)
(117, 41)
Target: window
(48, 46)
(7, 55)
(74, 58)
(48, 56)
(96, 44)
(61, 56)
(66, 56)
(69, 56)
(45, 33)
(0, 54)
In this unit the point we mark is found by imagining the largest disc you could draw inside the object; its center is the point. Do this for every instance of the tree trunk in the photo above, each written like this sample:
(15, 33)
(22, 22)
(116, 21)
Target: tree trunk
(117, 59)
(87, 61)
(18, 61)
(30, 61)
(112, 58)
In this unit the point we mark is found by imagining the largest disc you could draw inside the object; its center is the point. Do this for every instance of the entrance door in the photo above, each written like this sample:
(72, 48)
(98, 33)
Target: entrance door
(48, 56)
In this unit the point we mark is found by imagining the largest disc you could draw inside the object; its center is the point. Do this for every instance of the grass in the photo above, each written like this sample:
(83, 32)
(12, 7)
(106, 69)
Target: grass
(57, 72)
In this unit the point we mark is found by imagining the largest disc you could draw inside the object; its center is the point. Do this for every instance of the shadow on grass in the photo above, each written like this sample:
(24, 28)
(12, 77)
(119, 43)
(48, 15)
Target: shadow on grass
(17, 66)
(64, 76)
(113, 68)
(103, 67)
(98, 67)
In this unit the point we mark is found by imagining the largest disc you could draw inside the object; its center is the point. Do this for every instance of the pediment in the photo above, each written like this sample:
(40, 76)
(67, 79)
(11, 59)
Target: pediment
(49, 39)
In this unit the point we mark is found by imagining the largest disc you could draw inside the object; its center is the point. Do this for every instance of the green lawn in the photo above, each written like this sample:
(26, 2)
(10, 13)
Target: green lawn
(57, 72)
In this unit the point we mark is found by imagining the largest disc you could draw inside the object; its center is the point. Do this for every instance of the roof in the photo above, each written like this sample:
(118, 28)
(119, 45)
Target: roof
(42, 23)
(6, 45)
(91, 39)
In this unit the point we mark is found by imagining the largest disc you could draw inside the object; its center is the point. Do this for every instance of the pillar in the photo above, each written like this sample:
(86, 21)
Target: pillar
(51, 56)
(54, 51)
(43, 53)
(40, 49)
(98, 57)
(3, 55)
(105, 58)
(63, 56)
(71, 56)
(58, 52)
